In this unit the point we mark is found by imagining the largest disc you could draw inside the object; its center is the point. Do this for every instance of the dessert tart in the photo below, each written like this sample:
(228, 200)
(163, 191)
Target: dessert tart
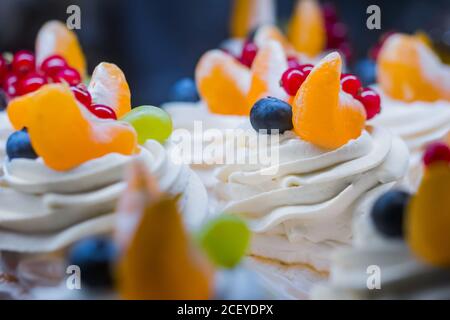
(401, 249)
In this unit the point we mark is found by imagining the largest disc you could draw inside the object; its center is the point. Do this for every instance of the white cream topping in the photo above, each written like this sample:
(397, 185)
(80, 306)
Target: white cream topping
(43, 210)
(5, 130)
(402, 275)
(305, 210)
(418, 124)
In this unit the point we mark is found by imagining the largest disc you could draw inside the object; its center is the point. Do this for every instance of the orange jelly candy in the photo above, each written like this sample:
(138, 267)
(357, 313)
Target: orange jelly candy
(409, 70)
(249, 14)
(322, 113)
(306, 30)
(223, 83)
(267, 70)
(109, 87)
(64, 133)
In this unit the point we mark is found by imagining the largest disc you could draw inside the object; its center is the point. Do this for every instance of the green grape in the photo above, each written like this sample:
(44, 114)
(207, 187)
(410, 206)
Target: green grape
(225, 240)
(150, 123)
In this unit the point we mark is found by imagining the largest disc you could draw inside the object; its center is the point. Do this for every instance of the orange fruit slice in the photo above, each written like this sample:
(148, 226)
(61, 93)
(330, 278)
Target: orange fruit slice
(267, 69)
(64, 133)
(160, 261)
(223, 83)
(54, 38)
(306, 29)
(409, 70)
(322, 113)
(269, 33)
(428, 218)
(109, 87)
(249, 14)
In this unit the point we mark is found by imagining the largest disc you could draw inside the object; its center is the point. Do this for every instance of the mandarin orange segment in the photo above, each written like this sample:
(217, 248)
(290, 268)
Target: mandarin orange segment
(267, 69)
(249, 14)
(269, 33)
(65, 134)
(223, 83)
(109, 87)
(322, 113)
(428, 218)
(409, 70)
(159, 260)
(306, 29)
(55, 38)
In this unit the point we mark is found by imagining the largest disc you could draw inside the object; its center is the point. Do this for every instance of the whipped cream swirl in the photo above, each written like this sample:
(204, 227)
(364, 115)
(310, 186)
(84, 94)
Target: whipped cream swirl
(42, 210)
(304, 210)
(402, 275)
(5, 130)
(418, 124)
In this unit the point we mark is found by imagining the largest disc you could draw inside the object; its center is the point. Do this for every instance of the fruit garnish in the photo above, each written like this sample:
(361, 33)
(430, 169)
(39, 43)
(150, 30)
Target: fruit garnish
(322, 113)
(150, 123)
(82, 94)
(19, 145)
(23, 63)
(223, 83)
(225, 240)
(51, 65)
(307, 28)
(3, 69)
(109, 87)
(54, 119)
(159, 260)
(267, 69)
(30, 83)
(249, 14)
(436, 152)
(291, 80)
(248, 55)
(409, 70)
(351, 84)
(371, 102)
(428, 219)
(10, 85)
(293, 62)
(271, 114)
(184, 90)
(266, 34)
(54, 38)
(67, 75)
(389, 211)
(95, 256)
(103, 112)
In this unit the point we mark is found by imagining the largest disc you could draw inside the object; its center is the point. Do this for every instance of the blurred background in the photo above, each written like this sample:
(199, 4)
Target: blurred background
(158, 42)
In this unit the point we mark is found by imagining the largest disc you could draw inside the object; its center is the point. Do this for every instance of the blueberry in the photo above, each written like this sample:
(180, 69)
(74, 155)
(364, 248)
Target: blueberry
(184, 90)
(19, 146)
(271, 114)
(388, 213)
(95, 257)
(3, 100)
(365, 69)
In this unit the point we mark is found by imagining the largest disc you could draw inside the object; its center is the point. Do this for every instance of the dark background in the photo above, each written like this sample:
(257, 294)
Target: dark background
(156, 42)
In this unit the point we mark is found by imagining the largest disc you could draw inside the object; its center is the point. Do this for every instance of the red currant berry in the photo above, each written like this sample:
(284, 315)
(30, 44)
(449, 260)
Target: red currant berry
(306, 69)
(3, 69)
(329, 12)
(436, 152)
(69, 75)
(51, 65)
(23, 63)
(10, 85)
(82, 95)
(248, 55)
(30, 83)
(351, 84)
(293, 62)
(292, 80)
(371, 101)
(337, 34)
(102, 111)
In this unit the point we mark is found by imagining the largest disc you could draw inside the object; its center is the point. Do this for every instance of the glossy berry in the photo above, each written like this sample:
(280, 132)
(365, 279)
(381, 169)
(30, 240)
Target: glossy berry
(23, 63)
(95, 257)
(3, 100)
(69, 75)
(82, 94)
(329, 12)
(365, 69)
(10, 85)
(271, 114)
(184, 90)
(52, 65)
(249, 52)
(291, 81)
(306, 69)
(3, 69)
(371, 101)
(388, 213)
(436, 152)
(30, 83)
(19, 146)
(102, 111)
(293, 62)
(351, 84)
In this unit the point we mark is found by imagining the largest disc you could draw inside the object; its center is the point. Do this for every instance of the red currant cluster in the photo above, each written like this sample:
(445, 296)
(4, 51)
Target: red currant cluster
(293, 78)
(337, 32)
(83, 96)
(22, 76)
